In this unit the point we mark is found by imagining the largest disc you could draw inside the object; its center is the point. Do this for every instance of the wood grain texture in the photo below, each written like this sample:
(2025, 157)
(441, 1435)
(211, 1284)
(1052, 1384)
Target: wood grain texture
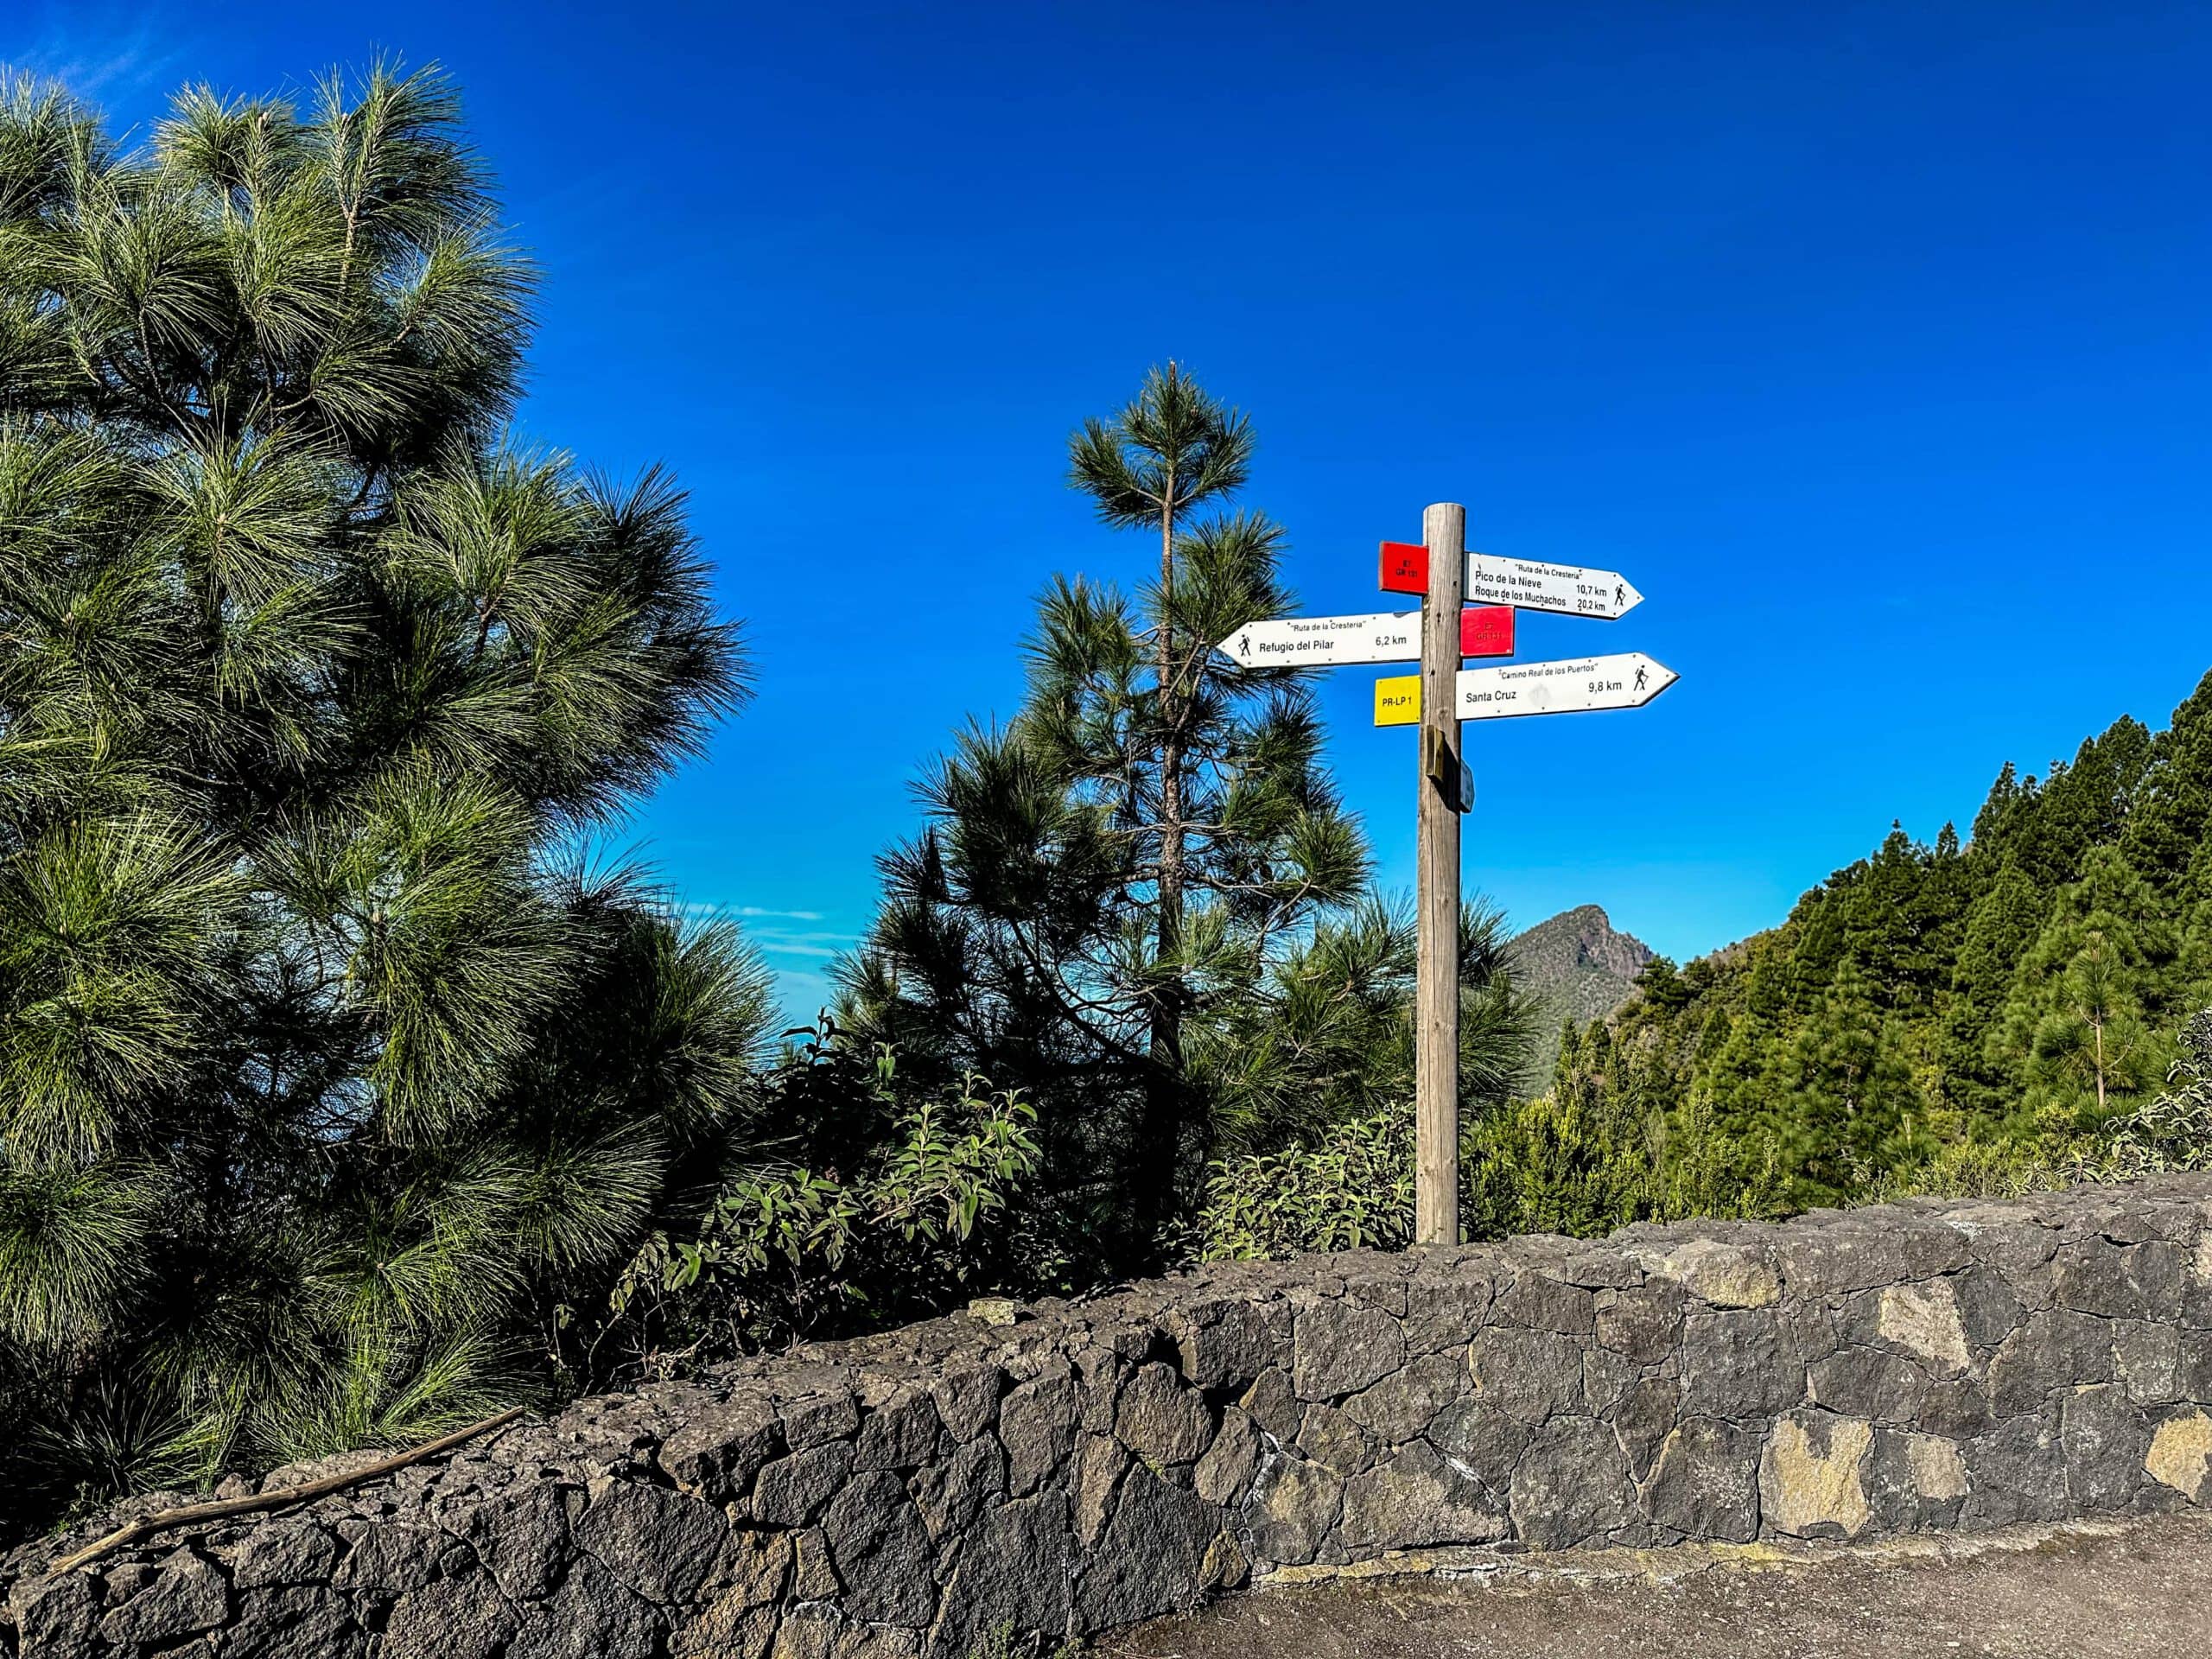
(1436, 1002)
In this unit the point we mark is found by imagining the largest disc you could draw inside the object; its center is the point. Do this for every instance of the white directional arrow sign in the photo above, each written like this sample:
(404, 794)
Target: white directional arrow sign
(1493, 581)
(1577, 686)
(1627, 681)
(1325, 641)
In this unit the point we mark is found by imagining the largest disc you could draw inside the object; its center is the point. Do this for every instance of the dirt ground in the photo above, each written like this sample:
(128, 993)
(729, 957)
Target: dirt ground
(2141, 1590)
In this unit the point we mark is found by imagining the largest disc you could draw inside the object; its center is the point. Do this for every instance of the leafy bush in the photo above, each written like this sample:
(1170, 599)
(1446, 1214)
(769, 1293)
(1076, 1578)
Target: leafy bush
(1970, 1169)
(786, 1251)
(1353, 1189)
(2175, 1130)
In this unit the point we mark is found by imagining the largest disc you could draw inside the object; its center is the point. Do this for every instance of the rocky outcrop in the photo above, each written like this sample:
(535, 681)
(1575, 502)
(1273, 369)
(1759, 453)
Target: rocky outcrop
(1578, 943)
(1925, 1366)
(1577, 967)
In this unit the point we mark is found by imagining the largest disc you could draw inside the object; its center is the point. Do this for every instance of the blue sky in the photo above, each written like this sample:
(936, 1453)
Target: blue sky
(1871, 341)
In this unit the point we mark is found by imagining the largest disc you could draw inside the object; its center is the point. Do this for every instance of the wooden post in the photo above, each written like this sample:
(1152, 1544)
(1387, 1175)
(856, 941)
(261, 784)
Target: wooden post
(1436, 997)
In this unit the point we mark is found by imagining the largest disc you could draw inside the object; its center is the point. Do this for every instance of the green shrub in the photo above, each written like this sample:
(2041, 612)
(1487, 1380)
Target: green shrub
(1351, 1188)
(2174, 1131)
(914, 1220)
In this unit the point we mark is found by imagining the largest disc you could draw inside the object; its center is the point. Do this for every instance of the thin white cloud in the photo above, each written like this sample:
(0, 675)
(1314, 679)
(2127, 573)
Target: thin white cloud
(765, 931)
(104, 54)
(749, 912)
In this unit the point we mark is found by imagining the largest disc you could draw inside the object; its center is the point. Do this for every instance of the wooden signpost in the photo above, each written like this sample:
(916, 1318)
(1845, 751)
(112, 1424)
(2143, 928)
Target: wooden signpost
(1440, 636)
(1436, 893)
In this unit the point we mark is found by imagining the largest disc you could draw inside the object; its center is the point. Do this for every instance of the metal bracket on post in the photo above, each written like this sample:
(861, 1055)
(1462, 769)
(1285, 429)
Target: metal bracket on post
(1438, 764)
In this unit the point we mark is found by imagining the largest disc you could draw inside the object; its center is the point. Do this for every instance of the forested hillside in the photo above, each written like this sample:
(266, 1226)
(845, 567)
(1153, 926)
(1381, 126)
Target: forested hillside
(1935, 1014)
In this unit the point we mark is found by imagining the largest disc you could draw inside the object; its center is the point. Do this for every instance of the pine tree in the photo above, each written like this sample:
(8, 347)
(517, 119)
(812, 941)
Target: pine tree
(2004, 922)
(330, 1072)
(2094, 1032)
(1848, 1093)
(2193, 968)
(2079, 1029)
(2081, 805)
(2171, 821)
(1172, 450)
(1321, 1036)
(1137, 902)
(1896, 917)
(1998, 821)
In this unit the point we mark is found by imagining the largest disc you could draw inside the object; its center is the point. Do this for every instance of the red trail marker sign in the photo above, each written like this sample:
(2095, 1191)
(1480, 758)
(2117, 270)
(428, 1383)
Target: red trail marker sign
(1486, 631)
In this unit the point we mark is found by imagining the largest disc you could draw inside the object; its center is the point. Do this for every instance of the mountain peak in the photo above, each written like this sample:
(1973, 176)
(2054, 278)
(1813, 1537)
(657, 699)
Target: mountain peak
(1596, 941)
(1580, 967)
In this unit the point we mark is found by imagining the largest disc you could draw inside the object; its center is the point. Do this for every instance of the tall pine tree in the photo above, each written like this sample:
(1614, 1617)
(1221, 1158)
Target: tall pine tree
(329, 1076)
(2083, 1026)
(1135, 901)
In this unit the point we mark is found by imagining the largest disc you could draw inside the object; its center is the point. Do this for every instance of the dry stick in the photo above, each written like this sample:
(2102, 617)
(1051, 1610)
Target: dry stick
(224, 1507)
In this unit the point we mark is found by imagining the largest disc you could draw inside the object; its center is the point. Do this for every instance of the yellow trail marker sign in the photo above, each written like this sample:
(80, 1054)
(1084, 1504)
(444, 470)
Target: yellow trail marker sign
(1397, 701)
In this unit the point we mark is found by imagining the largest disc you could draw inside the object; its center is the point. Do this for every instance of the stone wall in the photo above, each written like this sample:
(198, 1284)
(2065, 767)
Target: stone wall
(1930, 1365)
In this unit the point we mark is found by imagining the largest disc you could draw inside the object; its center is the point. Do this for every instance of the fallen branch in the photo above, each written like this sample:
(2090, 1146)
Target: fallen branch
(221, 1508)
